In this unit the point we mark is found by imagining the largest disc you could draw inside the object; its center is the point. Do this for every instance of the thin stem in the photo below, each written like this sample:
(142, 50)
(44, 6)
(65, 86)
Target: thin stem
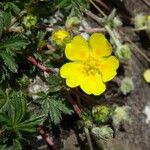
(140, 29)
(73, 103)
(102, 4)
(92, 30)
(86, 130)
(39, 65)
(93, 16)
(101, 12)
(113, 36)
(99, 20)
(47, 138)
(147, 3)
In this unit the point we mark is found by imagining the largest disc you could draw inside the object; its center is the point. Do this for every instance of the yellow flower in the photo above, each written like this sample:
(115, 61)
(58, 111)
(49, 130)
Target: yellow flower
(91, 64)
(148, 17)
(59, 36)
(147, 75)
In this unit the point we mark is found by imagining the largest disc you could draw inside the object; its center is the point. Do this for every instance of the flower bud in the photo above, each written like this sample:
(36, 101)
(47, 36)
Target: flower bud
(103, 132)
(24, 81)
(117, 22)
(114, 22)
(72, 22)
(101, 113)
(124, 52)
(29, 21)
(127, 85)
(60, 37)
(139, 20)
(120, 115)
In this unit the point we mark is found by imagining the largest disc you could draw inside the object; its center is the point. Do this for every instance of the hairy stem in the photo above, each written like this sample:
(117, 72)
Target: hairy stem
(86, 130)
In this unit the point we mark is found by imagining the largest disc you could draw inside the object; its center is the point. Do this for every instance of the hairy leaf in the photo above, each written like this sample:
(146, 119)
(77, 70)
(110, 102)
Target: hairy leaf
(9, 61)
(54, 106)
(13, 43)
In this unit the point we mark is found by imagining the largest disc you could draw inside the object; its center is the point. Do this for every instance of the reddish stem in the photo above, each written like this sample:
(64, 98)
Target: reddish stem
(46, 137)
(73, 103)
(39, 65)
(75, 106)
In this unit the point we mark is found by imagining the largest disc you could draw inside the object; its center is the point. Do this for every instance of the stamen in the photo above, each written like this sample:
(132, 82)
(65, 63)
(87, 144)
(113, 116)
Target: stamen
(91, 66)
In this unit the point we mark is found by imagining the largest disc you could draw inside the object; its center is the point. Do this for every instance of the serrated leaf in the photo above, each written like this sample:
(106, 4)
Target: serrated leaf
(55, 83)
(54, 107)
(9, 61)
(12, 7)
(19, 103)
(16, 119)
(29, 125)
(3, 147)
(3, 98)
(7, 19)
(13, 43)
(16, 145)
(1, 26)
(62, 3)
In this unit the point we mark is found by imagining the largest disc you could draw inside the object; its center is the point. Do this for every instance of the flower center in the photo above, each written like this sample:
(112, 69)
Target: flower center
(91, 66)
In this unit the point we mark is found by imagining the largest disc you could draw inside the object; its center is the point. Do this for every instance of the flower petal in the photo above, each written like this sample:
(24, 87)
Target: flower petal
(108, 68)
(73, 73)
(100, 45)
(78, 49)
(93, 84)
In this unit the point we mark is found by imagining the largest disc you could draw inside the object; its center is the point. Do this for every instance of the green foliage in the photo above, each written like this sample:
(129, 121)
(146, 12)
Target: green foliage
(8, 50)
(16, 120)
(74, 5)
(3, 98)
(54, 106)
(12, 44)
(54, 82)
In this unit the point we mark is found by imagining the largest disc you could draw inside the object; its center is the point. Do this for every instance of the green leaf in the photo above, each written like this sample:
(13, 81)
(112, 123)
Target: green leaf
(3, 98)
(54, 106)
(62, 3)
(17, 145)
(29, 125)
(9, 61)
(1, 26)
(12, 7)
(55, 83)
(15, 117)
(13, 43)
(7, 19)
(19, 103)
(4, 118)
(3, 147)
